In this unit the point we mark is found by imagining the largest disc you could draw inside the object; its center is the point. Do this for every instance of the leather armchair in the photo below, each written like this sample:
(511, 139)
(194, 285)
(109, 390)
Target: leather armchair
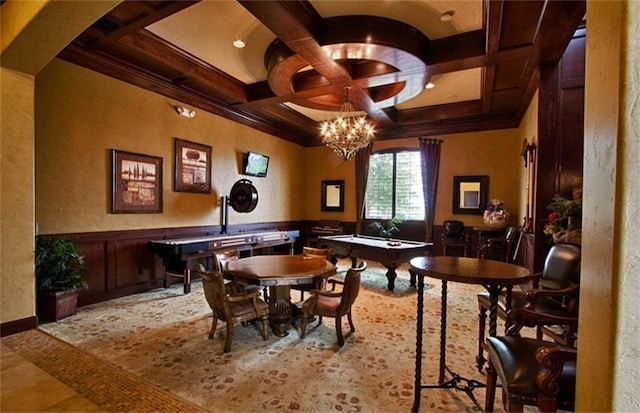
(454, 237)
(555, 292)
(531, 371)
(336, 304)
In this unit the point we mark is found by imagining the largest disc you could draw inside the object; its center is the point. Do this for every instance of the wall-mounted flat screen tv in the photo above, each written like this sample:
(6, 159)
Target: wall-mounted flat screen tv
(255, 164)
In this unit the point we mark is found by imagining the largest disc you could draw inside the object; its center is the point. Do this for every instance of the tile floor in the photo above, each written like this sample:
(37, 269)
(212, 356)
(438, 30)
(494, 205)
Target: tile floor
(26, 388)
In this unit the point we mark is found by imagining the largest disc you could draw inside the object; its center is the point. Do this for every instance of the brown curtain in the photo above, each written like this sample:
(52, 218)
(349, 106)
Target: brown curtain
(430, 162)
(362, 173)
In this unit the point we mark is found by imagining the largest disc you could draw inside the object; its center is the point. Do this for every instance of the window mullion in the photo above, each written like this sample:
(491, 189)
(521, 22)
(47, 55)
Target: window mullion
(394, 186)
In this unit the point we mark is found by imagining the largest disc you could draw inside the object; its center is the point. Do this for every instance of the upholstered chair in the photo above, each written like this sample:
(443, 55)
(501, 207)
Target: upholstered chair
(555, 291)
(454, 238)
(231, 306)
(531, 371)
(320, 283)
(222, 258)
(336, 304)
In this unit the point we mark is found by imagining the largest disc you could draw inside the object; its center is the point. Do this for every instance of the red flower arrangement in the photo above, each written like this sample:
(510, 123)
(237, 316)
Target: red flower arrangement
(563, 212)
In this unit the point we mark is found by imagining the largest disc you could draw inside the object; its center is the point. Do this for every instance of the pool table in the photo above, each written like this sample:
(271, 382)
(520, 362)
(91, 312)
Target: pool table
(389, 252)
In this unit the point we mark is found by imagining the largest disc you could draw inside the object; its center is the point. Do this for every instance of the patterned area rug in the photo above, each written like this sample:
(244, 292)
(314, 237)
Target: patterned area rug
(375, 279)
(161, 337)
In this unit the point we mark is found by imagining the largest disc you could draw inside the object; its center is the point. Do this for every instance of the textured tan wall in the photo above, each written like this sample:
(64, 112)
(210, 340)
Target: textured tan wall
(322, 164)
(81, 115)
(494, 153)
(32, 33)
(627, 351)
(609, 345)
(17, 287)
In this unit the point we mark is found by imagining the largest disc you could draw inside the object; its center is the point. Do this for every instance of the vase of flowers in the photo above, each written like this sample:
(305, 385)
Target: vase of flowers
(495, 216)
(565, 218)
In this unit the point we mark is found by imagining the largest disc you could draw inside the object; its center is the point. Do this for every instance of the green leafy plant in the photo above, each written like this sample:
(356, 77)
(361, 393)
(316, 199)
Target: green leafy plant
(59, 264)
(561, 210)
(384, 229)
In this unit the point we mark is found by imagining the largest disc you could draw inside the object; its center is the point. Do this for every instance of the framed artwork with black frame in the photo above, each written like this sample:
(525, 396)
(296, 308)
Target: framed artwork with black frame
(136, 183)
(192, 172)
(333, 196)
(470, 194)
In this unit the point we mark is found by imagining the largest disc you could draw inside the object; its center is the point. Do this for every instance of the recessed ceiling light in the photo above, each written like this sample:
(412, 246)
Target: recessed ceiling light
(238, 43)
(447, 16)
(430, 85)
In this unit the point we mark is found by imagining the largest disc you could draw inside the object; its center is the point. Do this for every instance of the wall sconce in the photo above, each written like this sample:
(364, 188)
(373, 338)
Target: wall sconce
(187, 113)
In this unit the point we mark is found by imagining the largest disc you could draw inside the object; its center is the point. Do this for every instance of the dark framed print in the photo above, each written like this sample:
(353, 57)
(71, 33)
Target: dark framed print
(192, 167)
(332, 196)
(470, 194)
(136, 183)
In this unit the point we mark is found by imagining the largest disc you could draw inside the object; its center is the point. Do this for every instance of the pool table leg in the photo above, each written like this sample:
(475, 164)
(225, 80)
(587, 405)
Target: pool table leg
(391, 276)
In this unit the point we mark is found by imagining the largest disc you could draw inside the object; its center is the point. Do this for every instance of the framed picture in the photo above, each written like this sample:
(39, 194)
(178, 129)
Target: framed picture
(470, 194)
(332, 196)
(136, 183)
(192, 167)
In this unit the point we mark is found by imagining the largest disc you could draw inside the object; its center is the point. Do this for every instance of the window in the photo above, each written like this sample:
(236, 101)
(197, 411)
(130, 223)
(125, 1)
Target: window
(394, 186)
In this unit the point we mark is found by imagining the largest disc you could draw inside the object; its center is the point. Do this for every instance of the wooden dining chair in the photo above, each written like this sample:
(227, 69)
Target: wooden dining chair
(222, 258)
(231, 306)
(502, 247)
(320, 282)
(332, 303)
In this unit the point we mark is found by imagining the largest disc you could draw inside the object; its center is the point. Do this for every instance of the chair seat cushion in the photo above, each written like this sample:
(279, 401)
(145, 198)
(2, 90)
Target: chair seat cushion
(246, 307)
(514, 360)
(327, 306)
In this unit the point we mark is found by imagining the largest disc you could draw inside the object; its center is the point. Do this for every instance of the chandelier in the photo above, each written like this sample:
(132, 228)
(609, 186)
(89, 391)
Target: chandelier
(347, 134)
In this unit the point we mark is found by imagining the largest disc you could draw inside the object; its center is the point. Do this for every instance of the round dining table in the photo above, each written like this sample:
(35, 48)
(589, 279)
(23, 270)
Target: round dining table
(493, 275)
(279, 273)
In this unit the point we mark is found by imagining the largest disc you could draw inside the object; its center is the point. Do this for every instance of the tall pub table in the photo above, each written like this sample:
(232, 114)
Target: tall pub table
(279, 273)
(493, 275)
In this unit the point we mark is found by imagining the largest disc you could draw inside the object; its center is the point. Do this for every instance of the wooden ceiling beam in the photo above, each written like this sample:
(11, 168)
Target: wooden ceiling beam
(150, 15)
(297, 25)
(152, 46)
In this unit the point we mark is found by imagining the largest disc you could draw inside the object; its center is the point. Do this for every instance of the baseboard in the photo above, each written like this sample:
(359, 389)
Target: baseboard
(18, 326)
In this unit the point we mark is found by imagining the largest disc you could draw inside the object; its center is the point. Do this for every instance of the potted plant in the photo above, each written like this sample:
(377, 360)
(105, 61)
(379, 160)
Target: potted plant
(384, 229)
(59, 267)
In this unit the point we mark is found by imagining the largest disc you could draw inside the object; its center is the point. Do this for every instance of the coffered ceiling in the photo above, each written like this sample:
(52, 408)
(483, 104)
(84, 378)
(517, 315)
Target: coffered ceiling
(299, 55)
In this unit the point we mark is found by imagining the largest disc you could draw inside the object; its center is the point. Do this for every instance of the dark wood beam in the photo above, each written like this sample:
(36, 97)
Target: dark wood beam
(297, 24)
(150, 14)
(150, 45)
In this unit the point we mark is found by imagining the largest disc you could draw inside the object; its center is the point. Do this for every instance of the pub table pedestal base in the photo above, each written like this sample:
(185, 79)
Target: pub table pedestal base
(280, 309)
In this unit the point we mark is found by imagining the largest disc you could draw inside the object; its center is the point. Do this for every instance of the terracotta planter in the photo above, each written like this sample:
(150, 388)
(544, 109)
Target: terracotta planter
(54, 306)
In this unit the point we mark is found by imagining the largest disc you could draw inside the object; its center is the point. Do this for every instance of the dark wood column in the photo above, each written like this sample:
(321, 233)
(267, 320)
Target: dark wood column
(560, 139)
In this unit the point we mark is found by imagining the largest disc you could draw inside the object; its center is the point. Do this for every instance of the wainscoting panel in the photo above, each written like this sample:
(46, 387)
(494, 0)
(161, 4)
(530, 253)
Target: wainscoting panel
(120, 262)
